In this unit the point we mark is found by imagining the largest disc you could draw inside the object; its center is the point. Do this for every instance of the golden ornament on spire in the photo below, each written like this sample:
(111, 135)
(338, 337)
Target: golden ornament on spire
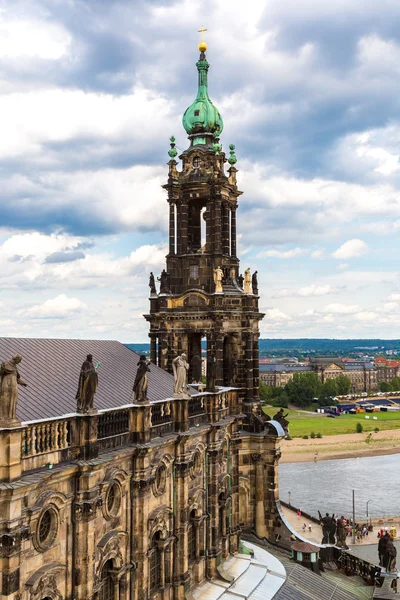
(202, 45)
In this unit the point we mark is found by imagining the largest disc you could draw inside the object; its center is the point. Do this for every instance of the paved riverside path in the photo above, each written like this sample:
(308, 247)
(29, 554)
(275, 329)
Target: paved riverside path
(316, 530)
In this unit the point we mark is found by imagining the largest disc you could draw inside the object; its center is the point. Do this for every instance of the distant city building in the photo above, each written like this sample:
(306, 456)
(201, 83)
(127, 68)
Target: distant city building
(363, 375)
(386, 370)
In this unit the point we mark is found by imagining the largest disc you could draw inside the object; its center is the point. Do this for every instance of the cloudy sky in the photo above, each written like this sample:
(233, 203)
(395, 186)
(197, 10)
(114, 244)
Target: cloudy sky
(91, 90)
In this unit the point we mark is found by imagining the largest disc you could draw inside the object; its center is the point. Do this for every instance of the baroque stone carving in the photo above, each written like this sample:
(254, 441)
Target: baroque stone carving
(180, 368)
(10, 379)
(141, 380)
(10, 542)
(218, 276)
(247, 282)
(87, 387)
(152, 284)
(47, 586)
(87, 510)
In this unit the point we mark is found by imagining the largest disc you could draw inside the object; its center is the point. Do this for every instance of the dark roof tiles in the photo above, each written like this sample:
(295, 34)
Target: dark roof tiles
(51, 369)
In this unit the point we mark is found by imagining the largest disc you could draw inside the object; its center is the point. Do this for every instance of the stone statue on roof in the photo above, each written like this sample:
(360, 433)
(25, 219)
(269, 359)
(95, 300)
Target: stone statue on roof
(152, 284)
(87, 387)
(281, 418)
(164, 282)
(180, 368)
(10, 379)
(247, 282)
(218, 277)
(141, 380)
(254, 282)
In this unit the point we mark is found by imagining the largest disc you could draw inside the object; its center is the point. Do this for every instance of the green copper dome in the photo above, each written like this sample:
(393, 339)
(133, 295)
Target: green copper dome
(202, 119)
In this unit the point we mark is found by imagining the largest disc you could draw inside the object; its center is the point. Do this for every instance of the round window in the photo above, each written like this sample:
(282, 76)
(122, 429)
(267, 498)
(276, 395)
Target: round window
(47, 529)
(113, 499)
(161, 480)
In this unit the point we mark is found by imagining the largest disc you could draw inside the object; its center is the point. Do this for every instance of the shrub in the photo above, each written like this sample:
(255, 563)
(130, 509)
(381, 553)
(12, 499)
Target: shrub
(312, 435)
(305, 437)
(376, 429)
(319, 435)
(289, 437)
(359, 428)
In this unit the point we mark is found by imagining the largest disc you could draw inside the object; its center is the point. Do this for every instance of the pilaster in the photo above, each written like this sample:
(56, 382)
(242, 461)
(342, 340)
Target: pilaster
(10, 454)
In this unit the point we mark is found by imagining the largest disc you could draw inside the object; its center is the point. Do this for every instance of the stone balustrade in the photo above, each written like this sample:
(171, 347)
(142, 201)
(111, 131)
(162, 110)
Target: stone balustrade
(45, 437)
(47, 443)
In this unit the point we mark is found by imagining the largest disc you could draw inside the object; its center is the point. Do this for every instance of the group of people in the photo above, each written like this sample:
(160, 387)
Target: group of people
(387, 552)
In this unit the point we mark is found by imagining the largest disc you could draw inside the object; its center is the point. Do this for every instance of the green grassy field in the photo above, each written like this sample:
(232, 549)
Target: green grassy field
(303, 423)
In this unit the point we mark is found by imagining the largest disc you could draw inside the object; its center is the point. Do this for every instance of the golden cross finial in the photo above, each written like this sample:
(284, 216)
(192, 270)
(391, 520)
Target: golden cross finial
(202, 30)
(202, 45)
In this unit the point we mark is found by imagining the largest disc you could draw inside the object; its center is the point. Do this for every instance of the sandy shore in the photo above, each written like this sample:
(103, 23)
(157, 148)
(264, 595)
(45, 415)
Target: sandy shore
(352, 445)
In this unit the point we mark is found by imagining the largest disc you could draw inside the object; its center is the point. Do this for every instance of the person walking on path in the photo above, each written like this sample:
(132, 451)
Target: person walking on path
(299, 514)
(383, 540)
(390, 555)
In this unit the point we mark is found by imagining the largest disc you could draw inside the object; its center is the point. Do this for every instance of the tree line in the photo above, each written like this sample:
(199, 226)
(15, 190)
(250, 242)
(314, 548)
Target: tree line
(304, 388)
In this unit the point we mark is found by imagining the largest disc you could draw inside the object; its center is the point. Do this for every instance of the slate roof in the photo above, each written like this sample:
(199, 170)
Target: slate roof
(51, 369)
(282, 367)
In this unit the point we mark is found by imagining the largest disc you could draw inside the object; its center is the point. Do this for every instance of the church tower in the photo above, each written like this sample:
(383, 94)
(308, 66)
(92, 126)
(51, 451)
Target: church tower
(203, 295)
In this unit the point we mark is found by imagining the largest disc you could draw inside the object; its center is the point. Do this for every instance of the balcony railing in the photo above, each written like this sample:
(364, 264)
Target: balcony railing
(40, 438)
(47, 443)
(113, 422)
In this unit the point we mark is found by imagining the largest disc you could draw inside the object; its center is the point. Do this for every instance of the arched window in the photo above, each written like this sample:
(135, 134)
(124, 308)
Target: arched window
(192, 537)
(108, 585)
(155, 563)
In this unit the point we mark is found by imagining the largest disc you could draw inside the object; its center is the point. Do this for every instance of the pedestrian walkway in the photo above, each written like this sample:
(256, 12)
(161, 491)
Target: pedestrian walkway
(315, 535)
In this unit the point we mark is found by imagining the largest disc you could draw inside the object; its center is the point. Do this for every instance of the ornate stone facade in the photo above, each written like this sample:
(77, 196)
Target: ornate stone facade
(146, 519)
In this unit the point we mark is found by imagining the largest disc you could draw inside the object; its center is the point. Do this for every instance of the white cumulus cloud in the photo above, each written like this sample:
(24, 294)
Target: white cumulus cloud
(350, 249)
(55, 308)
(341, 309)
(282, 253)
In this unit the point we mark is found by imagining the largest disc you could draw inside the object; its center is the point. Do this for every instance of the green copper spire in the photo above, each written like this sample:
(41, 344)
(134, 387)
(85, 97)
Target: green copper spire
(202, 119)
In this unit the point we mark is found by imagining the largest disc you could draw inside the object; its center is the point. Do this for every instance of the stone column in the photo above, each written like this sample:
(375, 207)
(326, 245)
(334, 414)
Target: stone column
(260, 527)
(153, 348)
(141, 496)
(233, 232)
(10, 454)
(213, 553)
(87, 504)
(183, 228)
(217, 226)
(225, 229)
(161, 549)
(87, 429)
(234, 457)
(171, 228)
(196, 524)
(248, 361)
(181, 576)
(256, 369)
(219, 355)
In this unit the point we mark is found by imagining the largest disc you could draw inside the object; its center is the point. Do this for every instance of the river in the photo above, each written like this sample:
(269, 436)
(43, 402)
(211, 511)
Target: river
(327, 486)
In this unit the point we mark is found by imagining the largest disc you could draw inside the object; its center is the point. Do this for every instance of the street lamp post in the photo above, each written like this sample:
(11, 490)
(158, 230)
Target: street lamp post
(289, 493)
(368, 501)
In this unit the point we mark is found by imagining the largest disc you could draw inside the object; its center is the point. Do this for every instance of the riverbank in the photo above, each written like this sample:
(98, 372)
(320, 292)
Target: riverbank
(352, 445)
